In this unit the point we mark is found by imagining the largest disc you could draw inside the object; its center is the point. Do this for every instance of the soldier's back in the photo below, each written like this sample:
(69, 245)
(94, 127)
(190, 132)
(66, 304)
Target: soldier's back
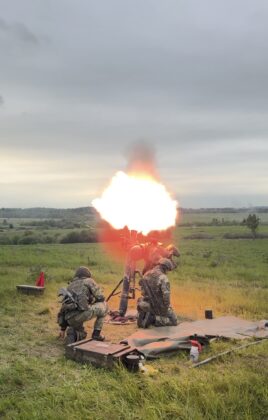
(80, 290)
(76, 286)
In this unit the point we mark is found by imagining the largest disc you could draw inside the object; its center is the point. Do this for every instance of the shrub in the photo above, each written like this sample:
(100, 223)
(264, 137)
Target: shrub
(199, 236)
(79, 237)
(28, 240)
(252, 222)
(49, 239)
(4, 240)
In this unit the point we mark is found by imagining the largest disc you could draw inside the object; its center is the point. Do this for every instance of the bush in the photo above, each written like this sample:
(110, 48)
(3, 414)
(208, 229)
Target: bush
(79, 237)
(199, 236)
(252, 222)
(28, 240)
(245, 236)
(4, 240)
(48, 239)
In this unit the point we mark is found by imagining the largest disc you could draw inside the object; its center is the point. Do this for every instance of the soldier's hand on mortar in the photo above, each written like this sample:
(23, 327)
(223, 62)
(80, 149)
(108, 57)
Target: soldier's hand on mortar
(62, 334)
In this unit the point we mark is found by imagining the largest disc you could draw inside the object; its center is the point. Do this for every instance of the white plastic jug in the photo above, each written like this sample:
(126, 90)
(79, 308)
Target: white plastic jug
(194, 354)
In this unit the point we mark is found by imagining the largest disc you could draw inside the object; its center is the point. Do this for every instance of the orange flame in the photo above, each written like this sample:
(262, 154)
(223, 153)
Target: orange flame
(137, 201)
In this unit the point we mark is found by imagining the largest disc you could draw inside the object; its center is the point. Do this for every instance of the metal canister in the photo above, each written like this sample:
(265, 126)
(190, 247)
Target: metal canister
(132, 362)
(208, 314)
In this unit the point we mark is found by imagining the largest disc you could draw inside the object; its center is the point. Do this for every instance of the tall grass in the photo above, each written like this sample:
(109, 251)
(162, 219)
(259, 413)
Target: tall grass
(37, 382)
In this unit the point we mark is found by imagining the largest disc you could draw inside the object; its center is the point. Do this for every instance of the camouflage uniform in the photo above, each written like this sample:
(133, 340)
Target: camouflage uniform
(154, 251)
(155, 300)
(90, 304)
(151, 252)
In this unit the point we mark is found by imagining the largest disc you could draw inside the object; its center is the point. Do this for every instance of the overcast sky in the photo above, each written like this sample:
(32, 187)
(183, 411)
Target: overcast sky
(82, 80)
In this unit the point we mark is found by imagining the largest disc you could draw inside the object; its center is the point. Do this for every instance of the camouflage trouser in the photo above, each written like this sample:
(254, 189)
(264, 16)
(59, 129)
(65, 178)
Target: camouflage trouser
(169, 319)
(76, 319)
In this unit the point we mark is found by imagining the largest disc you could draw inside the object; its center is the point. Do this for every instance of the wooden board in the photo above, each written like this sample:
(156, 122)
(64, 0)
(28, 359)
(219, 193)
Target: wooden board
(30, 290)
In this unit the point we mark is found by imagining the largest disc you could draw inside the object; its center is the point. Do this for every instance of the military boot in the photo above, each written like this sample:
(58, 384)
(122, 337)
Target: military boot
(145, 319)
(140, 319)
(96, 335)
(71, 336)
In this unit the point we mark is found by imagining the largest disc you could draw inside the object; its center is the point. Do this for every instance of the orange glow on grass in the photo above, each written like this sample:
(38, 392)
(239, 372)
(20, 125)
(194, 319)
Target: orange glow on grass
(138, 201)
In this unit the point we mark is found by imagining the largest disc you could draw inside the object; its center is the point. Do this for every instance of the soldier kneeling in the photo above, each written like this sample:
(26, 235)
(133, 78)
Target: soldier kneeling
(82, 301)
(154, 305)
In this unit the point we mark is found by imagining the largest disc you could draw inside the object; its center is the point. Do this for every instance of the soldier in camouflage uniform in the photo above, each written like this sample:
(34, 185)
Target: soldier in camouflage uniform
(154, 305)
(151, 252)
(154, 251)
(86, 302)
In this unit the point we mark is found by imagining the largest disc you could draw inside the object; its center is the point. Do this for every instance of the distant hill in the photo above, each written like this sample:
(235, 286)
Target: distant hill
(89, 213)
(258, 209)
(48, 213)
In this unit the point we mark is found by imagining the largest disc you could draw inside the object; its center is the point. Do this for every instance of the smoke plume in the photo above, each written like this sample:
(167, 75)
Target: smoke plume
(141, 159)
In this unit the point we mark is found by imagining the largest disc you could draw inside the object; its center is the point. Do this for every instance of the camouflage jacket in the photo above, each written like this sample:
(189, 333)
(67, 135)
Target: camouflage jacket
(86, 292)
(155, 288)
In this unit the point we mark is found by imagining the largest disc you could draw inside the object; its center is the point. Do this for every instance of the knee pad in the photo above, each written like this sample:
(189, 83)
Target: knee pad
(71, 336)
(81, 335)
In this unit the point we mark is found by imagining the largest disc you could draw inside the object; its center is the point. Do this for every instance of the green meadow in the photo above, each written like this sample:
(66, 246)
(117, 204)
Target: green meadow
(229, 276)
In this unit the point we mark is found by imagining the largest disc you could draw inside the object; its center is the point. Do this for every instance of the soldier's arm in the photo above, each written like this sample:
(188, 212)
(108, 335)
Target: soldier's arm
(62, 323)
(142, 283)
(165, 289)
(95, 290)
(164, 252)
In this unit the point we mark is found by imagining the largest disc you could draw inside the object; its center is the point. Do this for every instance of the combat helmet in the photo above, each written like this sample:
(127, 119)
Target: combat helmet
(173, 250)
(82, 272)
(167, 263)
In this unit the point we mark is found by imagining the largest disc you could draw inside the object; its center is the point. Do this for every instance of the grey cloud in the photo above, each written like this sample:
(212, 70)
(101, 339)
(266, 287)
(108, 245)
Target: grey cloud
(141, 157)
(1, 100)
(25, 34)
(189, 56)
(189, 77)
(3, 25)
(19, 31)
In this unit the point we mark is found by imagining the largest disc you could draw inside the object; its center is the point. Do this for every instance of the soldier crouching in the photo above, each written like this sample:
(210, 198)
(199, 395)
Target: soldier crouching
(154, 306)
(82, 301)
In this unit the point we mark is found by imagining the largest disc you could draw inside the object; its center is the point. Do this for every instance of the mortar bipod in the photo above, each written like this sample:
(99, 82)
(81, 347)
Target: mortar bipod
(132, 285)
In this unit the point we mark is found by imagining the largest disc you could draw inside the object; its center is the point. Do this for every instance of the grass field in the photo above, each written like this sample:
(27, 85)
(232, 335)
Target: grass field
(37, 382)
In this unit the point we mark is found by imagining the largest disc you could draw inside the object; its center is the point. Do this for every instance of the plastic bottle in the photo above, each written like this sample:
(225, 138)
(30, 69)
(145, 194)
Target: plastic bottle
(194, 354)
(142, 368)
(196, 348)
